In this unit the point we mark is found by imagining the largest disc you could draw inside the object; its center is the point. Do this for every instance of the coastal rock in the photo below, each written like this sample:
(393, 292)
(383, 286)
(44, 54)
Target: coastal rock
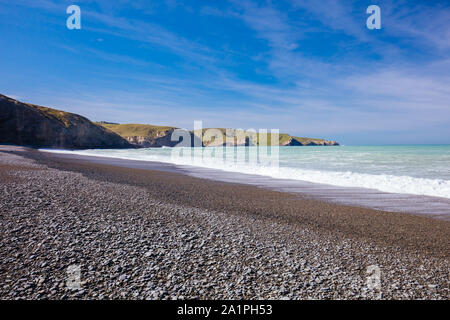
(297, 141)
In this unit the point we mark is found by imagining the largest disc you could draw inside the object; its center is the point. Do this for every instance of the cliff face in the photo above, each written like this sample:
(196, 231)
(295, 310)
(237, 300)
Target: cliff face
(146, 135)
(142, 135)
(36, 126)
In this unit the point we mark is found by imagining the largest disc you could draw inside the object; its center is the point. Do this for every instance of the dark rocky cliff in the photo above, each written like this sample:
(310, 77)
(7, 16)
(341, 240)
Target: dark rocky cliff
(31, 125)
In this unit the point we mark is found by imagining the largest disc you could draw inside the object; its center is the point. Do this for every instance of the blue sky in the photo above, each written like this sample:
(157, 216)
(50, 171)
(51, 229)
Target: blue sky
(306, 67)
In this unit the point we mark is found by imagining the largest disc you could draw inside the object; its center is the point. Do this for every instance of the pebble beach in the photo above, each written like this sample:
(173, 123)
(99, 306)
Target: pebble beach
(148, 234)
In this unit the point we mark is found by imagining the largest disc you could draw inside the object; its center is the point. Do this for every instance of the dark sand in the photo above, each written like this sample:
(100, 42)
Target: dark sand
(259, 243)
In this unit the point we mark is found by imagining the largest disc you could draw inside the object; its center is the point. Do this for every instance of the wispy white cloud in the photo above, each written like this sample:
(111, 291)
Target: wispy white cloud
(335, 15)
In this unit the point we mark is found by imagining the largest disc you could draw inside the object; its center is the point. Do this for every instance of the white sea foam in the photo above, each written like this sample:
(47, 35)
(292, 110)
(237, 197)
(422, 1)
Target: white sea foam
(296, 166)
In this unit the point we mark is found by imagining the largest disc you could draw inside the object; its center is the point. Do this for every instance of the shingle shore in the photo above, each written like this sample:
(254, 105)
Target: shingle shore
(159, 235)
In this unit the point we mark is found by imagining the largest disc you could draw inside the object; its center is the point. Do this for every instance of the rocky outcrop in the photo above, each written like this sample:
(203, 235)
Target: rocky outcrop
(215, 137)
(323, 143)
(31, 125)
(295, 141)
(157, 140)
